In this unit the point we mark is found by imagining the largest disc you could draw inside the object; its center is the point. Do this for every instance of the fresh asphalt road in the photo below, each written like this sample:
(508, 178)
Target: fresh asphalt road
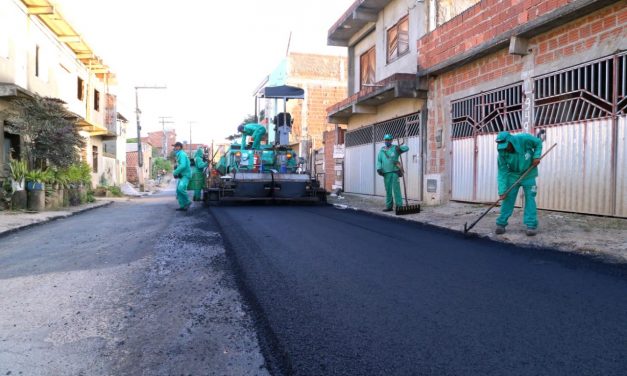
(337, 292)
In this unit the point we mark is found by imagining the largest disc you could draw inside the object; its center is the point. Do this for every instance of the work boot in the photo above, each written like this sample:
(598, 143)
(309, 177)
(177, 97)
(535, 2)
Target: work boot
(531, 231)
(181, 209)
(388, 209)
(499, 230)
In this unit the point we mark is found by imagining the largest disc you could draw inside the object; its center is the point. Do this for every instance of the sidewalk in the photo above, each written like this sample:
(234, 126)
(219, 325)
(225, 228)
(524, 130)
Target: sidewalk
(11, 222)
(600, 237)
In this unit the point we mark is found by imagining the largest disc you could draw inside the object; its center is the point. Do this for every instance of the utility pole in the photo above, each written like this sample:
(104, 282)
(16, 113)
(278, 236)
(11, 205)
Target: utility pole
(190, 137)
(165, 120)
(140, 155)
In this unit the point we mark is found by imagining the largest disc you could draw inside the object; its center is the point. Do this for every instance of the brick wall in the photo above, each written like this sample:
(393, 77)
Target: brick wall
(132, 167)
(482, 22)
(156, 139)
(324, 79)
(332, 138)
(595, 35)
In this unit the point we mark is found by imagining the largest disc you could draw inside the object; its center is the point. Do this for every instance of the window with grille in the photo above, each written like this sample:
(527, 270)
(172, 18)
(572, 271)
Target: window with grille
(398, 40)
(403, 127)
(495, 111)
(368, 68)
(584, 92)
(359, 136)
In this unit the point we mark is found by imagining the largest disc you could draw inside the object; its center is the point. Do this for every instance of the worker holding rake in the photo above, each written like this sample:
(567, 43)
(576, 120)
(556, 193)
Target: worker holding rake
(388, 166)
(516, 154)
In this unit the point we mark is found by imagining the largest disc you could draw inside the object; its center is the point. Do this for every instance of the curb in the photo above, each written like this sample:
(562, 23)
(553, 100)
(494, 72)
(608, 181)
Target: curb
(605, 258)
(34, 224)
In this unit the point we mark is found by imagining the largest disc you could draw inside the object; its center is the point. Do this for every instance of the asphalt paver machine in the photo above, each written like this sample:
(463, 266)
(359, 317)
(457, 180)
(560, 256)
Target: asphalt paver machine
(272, 173)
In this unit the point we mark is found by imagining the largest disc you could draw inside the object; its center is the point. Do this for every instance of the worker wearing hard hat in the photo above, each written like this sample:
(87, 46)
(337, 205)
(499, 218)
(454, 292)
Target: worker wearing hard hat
(183, 173)
(516, 154)
(254, 130)
(388, 166)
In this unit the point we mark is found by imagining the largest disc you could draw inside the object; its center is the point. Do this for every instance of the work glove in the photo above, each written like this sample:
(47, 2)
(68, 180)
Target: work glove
(380, 172)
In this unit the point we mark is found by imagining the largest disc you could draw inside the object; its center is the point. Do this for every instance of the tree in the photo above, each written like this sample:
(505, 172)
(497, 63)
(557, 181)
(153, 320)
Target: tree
(159, 164)
(49, 133)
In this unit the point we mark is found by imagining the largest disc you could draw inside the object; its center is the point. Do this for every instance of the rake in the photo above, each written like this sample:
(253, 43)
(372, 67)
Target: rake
(524, 175)
(407, 209)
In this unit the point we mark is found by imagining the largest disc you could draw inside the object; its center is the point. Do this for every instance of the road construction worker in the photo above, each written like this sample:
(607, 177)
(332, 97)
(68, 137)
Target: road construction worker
(516, 153)
(183, 173)
(388, 166)
(254, 130)
(197, 183)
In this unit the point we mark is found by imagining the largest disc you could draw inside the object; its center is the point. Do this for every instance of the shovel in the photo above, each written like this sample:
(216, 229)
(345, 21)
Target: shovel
(468, 228)
(407, 209)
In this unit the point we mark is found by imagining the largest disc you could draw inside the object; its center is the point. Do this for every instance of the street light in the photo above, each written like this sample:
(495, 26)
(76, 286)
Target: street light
(140, 156)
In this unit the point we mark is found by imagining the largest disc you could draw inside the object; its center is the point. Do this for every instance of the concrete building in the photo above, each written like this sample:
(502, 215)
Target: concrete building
(383, 94)
(324, 79)
(114, 154)
(486, 66)
(40, 52)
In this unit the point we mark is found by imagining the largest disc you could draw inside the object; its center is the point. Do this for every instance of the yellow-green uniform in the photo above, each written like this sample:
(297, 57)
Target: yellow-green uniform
(387, 166)
(183, 172)
(511, 166)
(197, 183)
(256, 131)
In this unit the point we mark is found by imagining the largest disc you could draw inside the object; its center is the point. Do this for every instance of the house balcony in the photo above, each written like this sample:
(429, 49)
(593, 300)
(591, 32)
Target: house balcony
(366, 101)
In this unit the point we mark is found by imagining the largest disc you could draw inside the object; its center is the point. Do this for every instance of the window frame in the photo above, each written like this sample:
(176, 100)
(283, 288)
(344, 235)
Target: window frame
(396, 28)
(361, 67)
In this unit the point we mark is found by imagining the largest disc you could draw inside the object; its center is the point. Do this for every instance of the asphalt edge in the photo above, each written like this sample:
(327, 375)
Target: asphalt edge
(614, 265)
(35, 224)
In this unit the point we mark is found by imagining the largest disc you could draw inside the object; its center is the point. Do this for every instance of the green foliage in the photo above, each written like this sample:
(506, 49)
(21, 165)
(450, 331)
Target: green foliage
(18, 170)
(115, 191)
(37, 176)
(79, 173)
(90, 196)
(48, 129)
(159, 164)
(131, 140)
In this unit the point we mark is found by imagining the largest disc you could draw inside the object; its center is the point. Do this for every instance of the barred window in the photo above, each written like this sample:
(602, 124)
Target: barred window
(495, 111)
(580, 93)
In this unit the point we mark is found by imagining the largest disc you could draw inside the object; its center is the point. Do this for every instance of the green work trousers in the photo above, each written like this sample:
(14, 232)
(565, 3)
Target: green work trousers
(530, 217)
(392, 187)
(257, 135)
(181, 192)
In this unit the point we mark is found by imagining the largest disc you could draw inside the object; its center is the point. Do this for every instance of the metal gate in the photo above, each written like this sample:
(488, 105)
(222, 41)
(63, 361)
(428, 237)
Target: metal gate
(476, 121)
(362, 147)
(583, 109)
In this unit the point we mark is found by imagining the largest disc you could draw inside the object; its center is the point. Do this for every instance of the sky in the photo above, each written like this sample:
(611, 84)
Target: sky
(211, 55)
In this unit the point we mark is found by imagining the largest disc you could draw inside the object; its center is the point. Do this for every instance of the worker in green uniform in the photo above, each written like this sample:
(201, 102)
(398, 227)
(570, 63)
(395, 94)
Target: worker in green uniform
(254, 130)
(516, 153)
(388, 166)
(182, 172)
(197, 183)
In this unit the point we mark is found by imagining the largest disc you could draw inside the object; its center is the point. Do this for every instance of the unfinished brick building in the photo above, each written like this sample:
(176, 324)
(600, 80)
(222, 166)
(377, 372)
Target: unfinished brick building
(486, 66)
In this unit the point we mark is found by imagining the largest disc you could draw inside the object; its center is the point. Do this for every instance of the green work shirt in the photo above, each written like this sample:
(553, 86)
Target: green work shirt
(182, 165)
(249, 130)
(387, 159)
(511, 166)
